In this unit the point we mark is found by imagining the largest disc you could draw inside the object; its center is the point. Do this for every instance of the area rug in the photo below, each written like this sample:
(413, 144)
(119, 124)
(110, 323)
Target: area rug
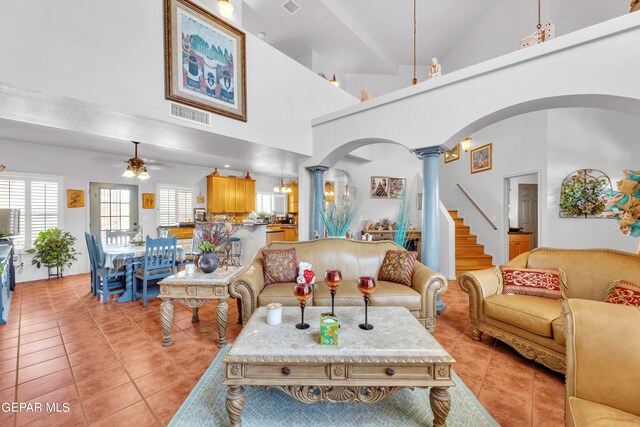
(271, 407)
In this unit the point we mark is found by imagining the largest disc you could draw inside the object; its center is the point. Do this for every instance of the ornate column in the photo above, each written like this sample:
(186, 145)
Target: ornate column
(430, 157)
(317, 199)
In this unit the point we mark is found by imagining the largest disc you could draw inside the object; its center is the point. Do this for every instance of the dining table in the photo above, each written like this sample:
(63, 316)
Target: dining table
(129, 256)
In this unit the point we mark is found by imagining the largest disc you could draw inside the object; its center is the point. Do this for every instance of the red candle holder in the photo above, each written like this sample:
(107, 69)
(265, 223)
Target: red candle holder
(366, 286)
(302, 292)
(333, 278)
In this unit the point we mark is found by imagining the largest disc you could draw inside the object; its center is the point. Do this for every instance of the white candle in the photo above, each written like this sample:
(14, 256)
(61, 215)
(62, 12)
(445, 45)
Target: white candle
(189, 269)
(274, 313)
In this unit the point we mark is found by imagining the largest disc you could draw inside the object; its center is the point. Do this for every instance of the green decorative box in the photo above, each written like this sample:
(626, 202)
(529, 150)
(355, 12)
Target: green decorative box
(329, 327)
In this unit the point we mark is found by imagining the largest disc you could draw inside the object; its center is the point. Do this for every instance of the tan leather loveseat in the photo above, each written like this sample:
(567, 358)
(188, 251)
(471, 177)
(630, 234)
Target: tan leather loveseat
(354, 259)
(533, 325)
(603, 364)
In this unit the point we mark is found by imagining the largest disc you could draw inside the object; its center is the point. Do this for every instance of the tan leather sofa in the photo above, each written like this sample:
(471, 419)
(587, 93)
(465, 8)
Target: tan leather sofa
(354, 259)
(533, 325)
(603, 364)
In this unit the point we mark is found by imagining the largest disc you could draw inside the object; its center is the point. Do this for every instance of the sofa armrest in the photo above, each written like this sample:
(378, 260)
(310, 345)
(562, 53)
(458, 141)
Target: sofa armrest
(428, 283)
(478, 284)
(603, 353)
(247, 286)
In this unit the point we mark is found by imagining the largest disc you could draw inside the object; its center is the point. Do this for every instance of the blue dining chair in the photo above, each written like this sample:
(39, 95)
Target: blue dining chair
(108, 280)
(92, 262)
(159, 262)
(118, 237)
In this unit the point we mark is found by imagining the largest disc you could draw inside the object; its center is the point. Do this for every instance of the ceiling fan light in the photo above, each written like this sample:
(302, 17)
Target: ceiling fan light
(144, 174)
(128, 172)
(226, 8)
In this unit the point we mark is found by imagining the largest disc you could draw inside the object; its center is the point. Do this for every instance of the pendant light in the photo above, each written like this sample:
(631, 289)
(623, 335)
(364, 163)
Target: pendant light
(281, 188)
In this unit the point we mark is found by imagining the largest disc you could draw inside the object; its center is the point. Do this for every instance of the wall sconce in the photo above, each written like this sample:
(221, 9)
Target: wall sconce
(335, 81)
(226, 8)
(465, 144)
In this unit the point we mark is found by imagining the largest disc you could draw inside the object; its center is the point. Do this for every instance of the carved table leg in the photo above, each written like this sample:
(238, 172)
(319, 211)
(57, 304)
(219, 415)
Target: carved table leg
(440, 401)
(195, 317)
(166, 316)
(222, 313)
(235, 404)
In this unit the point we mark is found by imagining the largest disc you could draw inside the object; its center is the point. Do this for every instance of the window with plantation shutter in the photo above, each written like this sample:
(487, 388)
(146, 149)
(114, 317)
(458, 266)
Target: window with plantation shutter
(175, 205)
(37, 198)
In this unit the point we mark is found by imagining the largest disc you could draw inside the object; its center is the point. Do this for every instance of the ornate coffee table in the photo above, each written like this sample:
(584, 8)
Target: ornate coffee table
(193, 291)
(367, 366)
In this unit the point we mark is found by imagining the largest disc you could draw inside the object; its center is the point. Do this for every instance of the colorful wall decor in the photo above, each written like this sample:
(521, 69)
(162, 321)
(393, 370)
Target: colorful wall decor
(583, 193)
(75, 199)
(453, 154)
(624, 205)
(148, 200)
(204, 60)
(481, 158)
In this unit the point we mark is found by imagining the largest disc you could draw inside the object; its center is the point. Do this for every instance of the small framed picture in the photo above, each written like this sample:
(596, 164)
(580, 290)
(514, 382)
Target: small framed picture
(481, 158)
(397, 187)
(453, 154)
(200, 215)
(379, 187)
(75, 199)
(148, 200)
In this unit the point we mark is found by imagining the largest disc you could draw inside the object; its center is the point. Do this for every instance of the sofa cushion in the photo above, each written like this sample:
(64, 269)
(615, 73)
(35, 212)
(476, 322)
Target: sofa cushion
(397, 267)
(387, 294)
(533, 314)
(586, 413)
(280, 265)
(546, 283)
(282, 293)
(558, 331)
(623, 292)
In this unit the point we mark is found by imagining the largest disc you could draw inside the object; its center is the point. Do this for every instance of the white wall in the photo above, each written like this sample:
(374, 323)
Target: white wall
(379, 84)
(555, 143)
(388, 160)
(111, 53)
(79, 168)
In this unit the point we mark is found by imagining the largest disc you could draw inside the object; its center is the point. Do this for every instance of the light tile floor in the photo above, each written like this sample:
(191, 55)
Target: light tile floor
(62, 345)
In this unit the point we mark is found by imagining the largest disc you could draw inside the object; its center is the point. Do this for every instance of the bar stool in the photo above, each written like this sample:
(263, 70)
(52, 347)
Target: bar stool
(231, 257)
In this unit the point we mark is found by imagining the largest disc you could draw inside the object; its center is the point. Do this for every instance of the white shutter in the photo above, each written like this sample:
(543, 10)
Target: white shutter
(167, 206)
(44, 206)
(185, 206)
(13, 196)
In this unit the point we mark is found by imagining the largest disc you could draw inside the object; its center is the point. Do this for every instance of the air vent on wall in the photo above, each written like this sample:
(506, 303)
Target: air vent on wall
(291, 7)
(189, 114)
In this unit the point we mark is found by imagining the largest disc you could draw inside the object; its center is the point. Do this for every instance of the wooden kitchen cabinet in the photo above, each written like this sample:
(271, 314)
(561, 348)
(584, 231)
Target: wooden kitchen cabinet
(519, 243)
(291, 234)
(228, 194)
(276, 236)
(293, 198)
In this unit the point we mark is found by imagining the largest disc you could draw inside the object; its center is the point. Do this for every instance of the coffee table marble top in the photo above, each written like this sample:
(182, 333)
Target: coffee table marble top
(397, 337)
(221, 276)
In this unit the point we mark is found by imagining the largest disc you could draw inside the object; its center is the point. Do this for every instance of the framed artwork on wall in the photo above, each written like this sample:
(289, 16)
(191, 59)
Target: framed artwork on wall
(200, 214)
(379, 187)
(204, 60)
(453, 154)
(148, 200)
(481, 158)
(397, 187)
(75, 199)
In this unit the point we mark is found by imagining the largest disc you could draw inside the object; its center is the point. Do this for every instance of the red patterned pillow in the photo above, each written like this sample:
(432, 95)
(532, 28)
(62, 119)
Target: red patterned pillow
(623, 292)
(546, 283)
(397, 267)
(280, 265)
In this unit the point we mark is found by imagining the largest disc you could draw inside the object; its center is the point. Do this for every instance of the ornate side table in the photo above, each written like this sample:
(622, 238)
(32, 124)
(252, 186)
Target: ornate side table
(193, 291)
(366, 366)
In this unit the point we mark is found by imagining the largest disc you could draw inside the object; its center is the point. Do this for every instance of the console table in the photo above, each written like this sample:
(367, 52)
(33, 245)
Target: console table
(366, 366)
(193, 291)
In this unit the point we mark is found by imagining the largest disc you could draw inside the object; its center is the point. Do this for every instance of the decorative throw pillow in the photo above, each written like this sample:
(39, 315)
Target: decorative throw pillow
(397, 267)
(280, 265)
(546, 283)
(623, 292)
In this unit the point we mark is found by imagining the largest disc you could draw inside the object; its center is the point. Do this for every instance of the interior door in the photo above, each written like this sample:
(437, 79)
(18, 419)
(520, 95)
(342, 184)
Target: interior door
(528, 210)
(112, 207)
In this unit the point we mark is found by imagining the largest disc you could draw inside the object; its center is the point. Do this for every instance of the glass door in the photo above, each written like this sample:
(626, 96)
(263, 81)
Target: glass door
(112, 207)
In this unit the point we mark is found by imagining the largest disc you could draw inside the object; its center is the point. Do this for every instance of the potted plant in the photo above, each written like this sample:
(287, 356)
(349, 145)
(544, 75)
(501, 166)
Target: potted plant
(212, 235)
(53, 248)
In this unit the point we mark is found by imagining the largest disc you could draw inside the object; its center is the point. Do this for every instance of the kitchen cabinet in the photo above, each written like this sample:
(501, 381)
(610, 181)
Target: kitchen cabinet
(275, 236)
(293, 198)
(228, 194)
(519, 243)
(291, 234)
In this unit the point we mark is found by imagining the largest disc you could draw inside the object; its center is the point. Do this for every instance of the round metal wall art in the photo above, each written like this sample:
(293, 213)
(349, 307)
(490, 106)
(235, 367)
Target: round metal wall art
(583, 193)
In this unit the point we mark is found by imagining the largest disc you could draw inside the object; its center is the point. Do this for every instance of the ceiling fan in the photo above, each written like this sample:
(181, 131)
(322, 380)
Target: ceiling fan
(136, 166)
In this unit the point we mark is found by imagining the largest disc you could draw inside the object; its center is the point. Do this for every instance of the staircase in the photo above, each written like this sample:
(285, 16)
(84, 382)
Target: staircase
(469, 254)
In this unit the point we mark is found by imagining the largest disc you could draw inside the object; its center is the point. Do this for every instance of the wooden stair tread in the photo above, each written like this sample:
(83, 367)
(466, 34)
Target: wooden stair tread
(470, 255)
